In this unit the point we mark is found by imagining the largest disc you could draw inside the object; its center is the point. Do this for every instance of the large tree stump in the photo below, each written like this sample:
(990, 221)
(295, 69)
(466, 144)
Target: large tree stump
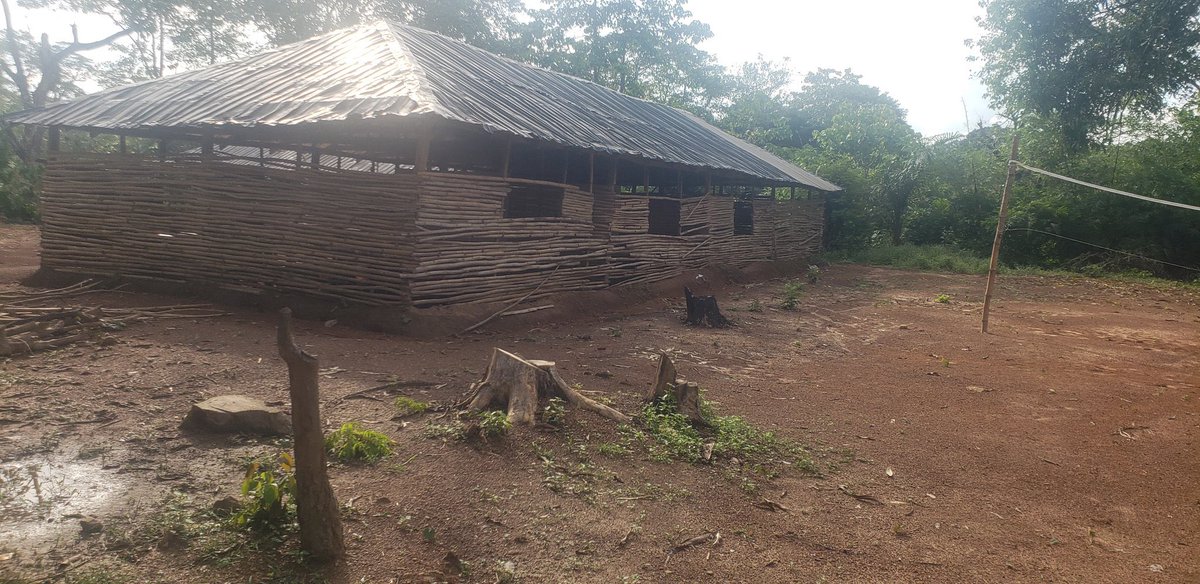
(668, 383)
(703, 310)
(517, 385)
(316, 507)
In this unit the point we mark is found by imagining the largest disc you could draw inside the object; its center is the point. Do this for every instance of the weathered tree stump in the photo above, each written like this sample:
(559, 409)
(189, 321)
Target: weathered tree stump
(686, 394)
(518, 385)
(316, 507)
(703, 310)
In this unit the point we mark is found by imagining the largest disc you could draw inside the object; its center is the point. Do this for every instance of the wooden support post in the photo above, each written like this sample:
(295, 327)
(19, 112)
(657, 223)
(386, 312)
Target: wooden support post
(162, 150)
(592, 172)
(206, 148)
(992, 265)
(299, 159)
(424, 144)
(53, 140)
(316, 508)
(707, 184)
(679, 182)
(792, 195)
(507, 159)
(645, 179)
(314, 159)
(566, 164)
(121, 144)
(612, 175)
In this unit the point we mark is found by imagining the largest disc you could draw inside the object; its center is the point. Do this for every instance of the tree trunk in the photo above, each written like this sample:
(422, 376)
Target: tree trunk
(686, 394)
(316, 507)
(703, 310)
(518, 385)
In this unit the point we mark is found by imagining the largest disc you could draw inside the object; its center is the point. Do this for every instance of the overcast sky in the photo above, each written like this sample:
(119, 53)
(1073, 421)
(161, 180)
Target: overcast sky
(912, 50)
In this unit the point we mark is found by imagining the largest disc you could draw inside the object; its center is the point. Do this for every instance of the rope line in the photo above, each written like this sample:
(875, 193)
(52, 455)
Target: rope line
(1107, 189)
(1142, 257)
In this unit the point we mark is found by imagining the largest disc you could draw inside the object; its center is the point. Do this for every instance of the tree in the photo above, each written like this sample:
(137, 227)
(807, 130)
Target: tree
(644, 48)
(1088, 63)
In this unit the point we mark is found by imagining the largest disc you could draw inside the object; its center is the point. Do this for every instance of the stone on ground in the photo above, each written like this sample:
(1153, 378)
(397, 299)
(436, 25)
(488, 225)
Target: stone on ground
(237, 414)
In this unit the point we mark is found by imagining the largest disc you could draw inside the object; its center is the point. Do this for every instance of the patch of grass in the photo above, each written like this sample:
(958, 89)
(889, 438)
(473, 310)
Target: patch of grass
(454, 430)
(353, 443)
(932, 258)
(612, 449)
(791, 294)
(670, 435)
(407, 406)
(755, 306)
(942, 299)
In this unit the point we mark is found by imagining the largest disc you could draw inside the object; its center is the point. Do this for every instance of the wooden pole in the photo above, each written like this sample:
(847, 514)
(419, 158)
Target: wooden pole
(507, 157)
(123, 146)
(592, 172)
(424, 143)
(53, 140)
(1008, 182)
(316, 507)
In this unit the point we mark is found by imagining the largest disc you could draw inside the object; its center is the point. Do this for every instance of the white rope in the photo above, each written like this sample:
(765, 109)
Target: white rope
(1106, 189)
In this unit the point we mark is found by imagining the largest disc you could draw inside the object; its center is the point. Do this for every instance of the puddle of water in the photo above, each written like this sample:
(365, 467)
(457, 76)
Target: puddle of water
(42, 499)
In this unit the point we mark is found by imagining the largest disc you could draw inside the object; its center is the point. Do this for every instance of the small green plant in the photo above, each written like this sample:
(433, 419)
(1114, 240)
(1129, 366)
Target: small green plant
(555, 412)
(493, 424)
(454, 430)
(791, 295)
(407, 406)
(428, 534)
(269, 491)
(352, 442)
(612, 449)
(942, 299)
(755, 306)
(813, 274)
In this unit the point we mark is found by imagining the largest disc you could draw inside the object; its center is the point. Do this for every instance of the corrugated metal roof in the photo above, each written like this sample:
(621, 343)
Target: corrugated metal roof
(383, 69)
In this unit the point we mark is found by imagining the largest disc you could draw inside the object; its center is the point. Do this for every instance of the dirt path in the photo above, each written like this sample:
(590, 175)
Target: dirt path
(1063, 447)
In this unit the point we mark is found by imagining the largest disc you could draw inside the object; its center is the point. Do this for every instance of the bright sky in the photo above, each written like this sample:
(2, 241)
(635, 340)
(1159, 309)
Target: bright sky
(912, 50)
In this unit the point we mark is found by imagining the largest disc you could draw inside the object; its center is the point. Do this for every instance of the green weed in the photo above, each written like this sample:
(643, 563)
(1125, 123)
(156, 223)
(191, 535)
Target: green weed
(269, 492)
(555, 412)
(493, 424)
(942, 299)
(407, 406)
(791, 295)
(354, 443)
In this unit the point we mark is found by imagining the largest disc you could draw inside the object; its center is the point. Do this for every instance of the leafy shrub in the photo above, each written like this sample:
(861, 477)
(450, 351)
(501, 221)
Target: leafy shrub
(555, 412)
(813, 274)
(354, 443)
(942, 299)
(269, 493)
(407, 406)
(493, 424)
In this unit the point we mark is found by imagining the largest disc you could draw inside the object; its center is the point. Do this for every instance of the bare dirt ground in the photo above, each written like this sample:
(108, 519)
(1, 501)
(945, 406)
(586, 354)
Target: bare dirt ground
(1060, 448)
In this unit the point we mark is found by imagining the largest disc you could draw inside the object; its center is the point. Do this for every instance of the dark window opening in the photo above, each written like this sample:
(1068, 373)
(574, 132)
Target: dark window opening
(743, 218)
(664, 217)
(530, 201)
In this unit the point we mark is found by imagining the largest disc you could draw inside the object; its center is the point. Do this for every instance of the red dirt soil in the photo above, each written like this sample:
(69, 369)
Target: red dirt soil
(1060, 448)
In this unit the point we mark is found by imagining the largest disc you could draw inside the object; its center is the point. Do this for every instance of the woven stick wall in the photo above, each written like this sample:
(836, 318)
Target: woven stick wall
(345, 236)
(467, 251)
(421, 239)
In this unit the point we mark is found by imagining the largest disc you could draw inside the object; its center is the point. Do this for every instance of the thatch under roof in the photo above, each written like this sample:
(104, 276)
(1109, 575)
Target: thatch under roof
(385, 71)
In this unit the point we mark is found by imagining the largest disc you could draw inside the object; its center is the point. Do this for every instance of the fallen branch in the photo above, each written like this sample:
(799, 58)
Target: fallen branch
(511, 306)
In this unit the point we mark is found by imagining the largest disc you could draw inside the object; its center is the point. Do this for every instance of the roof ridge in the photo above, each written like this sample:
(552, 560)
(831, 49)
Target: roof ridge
(425, 94)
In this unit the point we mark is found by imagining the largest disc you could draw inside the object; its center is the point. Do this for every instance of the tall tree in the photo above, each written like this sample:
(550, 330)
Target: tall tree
(1087, 63)
(644, 48)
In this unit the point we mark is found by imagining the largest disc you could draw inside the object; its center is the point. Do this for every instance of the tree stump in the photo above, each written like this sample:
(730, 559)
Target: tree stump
(316, 507)
(518, 385)
(703, 310)
(686, 394)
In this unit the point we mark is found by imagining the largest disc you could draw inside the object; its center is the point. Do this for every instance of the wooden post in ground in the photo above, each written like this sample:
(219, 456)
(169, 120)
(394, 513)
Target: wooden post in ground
(1008, 183)
(316, 507)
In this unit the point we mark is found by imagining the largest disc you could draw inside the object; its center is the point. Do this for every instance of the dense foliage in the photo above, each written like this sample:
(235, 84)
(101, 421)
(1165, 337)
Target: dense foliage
(1103, 90)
